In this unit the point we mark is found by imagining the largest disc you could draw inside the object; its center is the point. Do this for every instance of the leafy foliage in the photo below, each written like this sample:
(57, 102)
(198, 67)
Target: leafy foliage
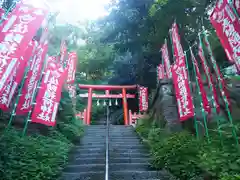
(97, 113)
(188, 158)
(32, 157)
(38, 157)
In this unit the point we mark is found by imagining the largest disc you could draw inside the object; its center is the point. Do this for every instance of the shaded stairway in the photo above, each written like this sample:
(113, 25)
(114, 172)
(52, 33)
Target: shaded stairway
(87, 161)
(128, 159)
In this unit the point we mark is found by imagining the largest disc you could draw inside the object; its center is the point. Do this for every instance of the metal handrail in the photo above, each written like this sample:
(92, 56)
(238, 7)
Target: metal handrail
(107, 145)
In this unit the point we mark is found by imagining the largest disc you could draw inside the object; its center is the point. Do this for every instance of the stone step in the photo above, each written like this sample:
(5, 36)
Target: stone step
(96, 136)
(136, 175)
(101, 123)
(118, 175)
(124, 138)
(118, 144)
(86, 146)
(127, 151)
(126, 135)
(92, 140)
(129, 160)
(127, 146)
(91, 143)
(126, 141)
(88, 160)
(90, 155)
(129, 166)
(132, 155)
(116, 132)
(89, 150)
(94, 126)
(95, 133)
(121, 126)
(95, 130)
(90, 175)
(84, 168)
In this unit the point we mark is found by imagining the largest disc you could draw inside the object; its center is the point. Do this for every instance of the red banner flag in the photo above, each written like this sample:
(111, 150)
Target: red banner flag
(227, 28)
(63, 52)
(22, 64)
(143, 98)
(219, 79)
(15, 79)
(236, 5)
(165, 57)
(161, 73)
(205, 102)
(180, 79)
(208, 73)
(8, 92)
(26, 99)
(49, 96)
(15, 35)
(71, 67)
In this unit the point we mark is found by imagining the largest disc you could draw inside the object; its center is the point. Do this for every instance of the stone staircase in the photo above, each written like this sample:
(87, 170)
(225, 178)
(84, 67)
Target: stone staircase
(128, 159)
(87, 161)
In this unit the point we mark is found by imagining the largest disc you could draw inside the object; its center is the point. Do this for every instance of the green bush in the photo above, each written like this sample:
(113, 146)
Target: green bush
(39, 157)
(71, 131)
(32, 157)
(188, 158)
(143, 128)
(97, 112)
(178, 153)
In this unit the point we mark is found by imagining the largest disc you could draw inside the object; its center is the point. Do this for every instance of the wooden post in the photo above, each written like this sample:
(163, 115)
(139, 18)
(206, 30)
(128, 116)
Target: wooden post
(130, 117)
(125, 108)
(89, 108)
(85, 116)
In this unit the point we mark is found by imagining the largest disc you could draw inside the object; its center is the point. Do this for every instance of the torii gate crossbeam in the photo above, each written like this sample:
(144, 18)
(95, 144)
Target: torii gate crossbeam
(107, 88)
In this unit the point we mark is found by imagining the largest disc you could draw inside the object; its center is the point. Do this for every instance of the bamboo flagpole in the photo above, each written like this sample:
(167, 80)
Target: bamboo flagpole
(213, 61)
(207, 73)
(194, 104)
(189, 82)
(13, 113)
(195, 66)
(27, 120)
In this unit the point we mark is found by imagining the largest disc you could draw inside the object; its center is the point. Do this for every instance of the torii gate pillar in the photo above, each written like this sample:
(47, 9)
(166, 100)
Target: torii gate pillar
(89, 108)
(125, 107)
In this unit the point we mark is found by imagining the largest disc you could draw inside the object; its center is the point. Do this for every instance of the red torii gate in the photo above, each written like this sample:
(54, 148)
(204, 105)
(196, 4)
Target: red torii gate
(107, 88)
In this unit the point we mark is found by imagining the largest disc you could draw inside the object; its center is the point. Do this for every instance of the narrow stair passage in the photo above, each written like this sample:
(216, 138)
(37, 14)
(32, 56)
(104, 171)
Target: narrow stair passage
(128, 158)
(88, 159)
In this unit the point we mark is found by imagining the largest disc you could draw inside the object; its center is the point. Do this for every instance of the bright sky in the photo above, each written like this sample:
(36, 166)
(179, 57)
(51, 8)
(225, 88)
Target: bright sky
(79, 10)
